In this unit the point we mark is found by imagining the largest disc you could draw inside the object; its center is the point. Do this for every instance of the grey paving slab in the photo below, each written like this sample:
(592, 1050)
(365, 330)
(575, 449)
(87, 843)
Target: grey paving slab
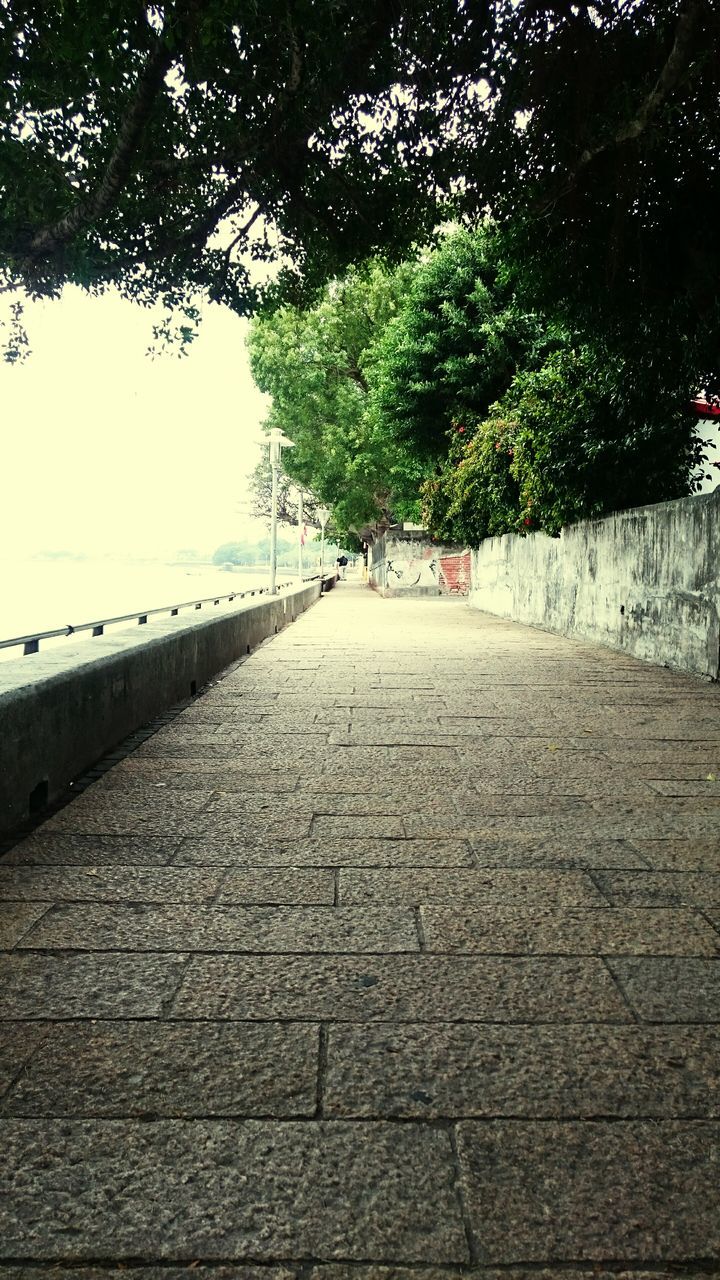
(194, 1271)
(500, 886)
(248, 825)
(643, 1191)
(149, 1069)
(325, 852)
(545, 930)
(101, 927)
(661, 888)
(228, 1189)
(160, 814)
(564, 852)
(194, 774)
(385, 826)
(664, 989)
(16, 918)
(54, 848)
(352, 760)
(87, 986)
(280, 886)
(409, 988)
(669, 770)
(707, 787)
(332, 1271)
(680, 855)
(109, 884)
(17, 1042)
(559, 1072)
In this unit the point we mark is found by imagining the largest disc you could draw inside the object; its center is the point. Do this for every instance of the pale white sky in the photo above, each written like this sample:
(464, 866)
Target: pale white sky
(106, 450)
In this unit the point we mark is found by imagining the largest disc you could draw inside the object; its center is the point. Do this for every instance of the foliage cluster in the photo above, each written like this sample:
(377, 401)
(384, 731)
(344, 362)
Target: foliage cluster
(569, 440)
(317, 364)
(439, 378)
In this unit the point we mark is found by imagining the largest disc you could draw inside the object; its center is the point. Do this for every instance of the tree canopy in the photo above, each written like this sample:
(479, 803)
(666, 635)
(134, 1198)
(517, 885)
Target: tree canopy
(317, 365)
(166, 147)
(433, 380)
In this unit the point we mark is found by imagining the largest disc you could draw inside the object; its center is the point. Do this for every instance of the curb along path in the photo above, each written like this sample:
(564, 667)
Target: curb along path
(400, 947)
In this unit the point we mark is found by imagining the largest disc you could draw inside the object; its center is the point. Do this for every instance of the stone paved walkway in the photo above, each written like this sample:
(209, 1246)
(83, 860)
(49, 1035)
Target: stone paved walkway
(397, 949)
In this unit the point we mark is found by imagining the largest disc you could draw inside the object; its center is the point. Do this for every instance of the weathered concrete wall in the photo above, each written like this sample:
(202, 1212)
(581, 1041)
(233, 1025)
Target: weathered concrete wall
(61, 711)
(411, 565)
(646, 581)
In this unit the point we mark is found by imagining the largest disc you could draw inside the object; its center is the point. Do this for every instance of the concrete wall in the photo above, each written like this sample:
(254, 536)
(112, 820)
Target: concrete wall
(412, 565)
(646, 581)
(62, 710)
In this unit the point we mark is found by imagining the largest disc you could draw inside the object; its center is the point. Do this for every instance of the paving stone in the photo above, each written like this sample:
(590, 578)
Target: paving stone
(385, 826)
(352, 760)
(697, 787)
(53, 848)
(109, 884)
(643, 1191)
(87, 986)
(224, 825)
(76, 1190)
(199, 773)
(695, 770)
(564, 853)
(560, 1072)
(116, 821)
(153, 1069)
(661, 888)
(214, 749)
(334, 1272)
(18, 1040)
(326, 852)
(409, 988)
(545, 930)
(281, 886)
(100, 927)
(421, 885)
(680, 855)
(162, 813)
(664, 989)
(194, 1271)
(16, 918)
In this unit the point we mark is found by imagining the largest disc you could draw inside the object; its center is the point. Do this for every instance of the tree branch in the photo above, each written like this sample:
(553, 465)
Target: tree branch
(87, 211)
(678, 69)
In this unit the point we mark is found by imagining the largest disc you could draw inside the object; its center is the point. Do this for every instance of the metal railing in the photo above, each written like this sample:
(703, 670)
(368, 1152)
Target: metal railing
(31, 642)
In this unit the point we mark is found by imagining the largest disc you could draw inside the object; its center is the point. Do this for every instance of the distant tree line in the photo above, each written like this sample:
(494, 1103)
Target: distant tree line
(251, 553)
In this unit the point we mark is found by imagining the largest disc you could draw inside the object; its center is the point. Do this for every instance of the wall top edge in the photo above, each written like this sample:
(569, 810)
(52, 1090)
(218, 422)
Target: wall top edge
(26, 672)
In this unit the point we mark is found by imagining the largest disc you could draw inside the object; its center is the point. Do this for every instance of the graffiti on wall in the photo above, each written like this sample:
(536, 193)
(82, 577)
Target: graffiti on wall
(413, 570)
(427, 567)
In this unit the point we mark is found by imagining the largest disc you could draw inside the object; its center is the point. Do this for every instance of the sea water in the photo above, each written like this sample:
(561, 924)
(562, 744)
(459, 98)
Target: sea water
(44, 595)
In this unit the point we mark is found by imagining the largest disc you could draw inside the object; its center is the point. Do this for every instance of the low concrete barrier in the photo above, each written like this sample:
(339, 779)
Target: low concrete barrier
(63, 709)
(646, 581)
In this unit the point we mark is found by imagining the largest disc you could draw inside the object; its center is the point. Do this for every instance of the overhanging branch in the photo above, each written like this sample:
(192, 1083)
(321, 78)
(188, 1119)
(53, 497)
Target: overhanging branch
(680, 67)
(51, 238)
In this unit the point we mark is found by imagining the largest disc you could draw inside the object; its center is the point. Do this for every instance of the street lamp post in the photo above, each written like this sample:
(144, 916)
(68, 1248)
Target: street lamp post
(301, 535)
(278, 442)
(323, 516)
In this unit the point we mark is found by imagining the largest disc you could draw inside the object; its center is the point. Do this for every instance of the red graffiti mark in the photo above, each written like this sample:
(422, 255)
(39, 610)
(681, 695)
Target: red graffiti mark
(455, 573)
